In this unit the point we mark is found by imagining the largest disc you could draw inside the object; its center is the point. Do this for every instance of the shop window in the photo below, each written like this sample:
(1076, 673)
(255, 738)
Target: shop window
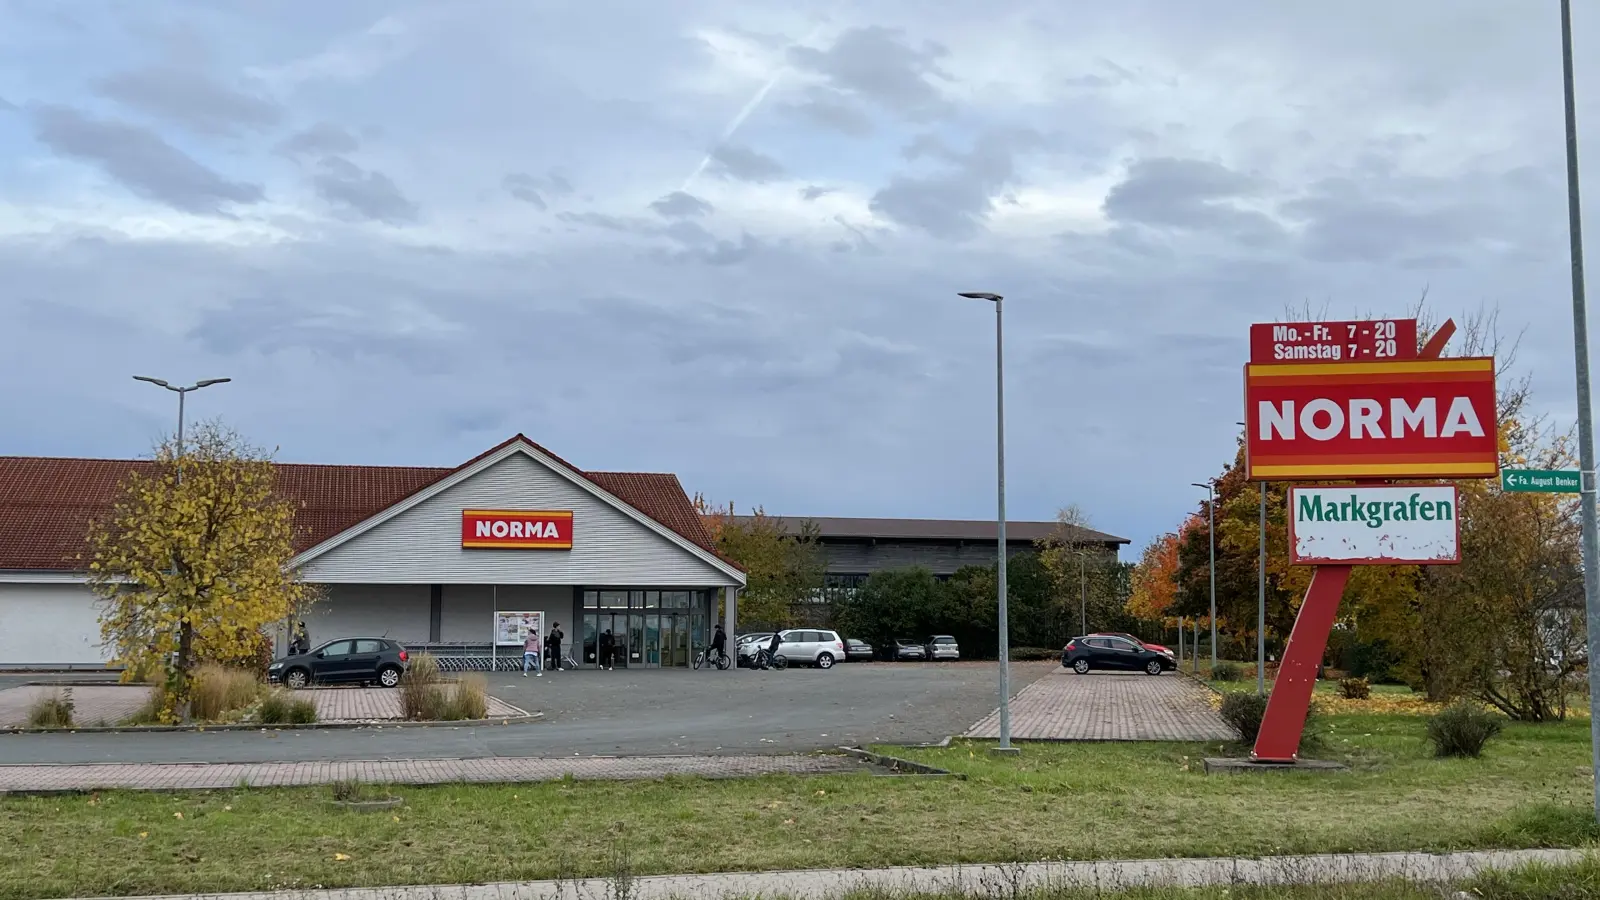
(652, 599)
(614, 599)
(675, 599)
(591, 599)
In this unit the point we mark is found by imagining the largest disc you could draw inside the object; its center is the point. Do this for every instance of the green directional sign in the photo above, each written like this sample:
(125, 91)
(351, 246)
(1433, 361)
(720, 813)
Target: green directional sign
(1542, 480)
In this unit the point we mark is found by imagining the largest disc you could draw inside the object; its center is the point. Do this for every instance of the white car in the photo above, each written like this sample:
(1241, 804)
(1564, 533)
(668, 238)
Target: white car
(943, 646)
(812, 647)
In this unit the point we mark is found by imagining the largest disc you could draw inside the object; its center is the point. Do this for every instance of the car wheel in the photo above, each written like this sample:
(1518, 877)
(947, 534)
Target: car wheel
(1081, 667)
(295, 679)
(825, 661)
(1153, 667)
(389, 676)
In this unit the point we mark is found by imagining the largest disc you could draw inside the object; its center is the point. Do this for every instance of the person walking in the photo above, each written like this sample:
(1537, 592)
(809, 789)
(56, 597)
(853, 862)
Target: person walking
(553, 643)
(608, 647)
(301, 642)
(530, 655)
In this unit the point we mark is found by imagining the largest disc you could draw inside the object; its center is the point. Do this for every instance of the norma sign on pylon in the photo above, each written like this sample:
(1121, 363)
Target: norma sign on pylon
(1339, 403)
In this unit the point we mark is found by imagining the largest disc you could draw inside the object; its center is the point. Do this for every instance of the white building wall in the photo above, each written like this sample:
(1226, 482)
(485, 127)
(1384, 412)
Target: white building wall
(50, 626)
(467, 610)
(397, 611)
(423, 544)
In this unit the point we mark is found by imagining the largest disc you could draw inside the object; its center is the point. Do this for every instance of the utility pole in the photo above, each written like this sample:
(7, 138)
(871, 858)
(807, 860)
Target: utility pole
(1261, 599)
(1211, 528)
(1580, 341)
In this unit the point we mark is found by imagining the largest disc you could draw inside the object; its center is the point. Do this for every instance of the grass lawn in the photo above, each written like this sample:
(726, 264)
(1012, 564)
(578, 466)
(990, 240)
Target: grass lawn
(1055, 801)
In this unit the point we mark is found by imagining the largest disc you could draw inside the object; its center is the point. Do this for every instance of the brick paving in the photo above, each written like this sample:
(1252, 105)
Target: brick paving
(1110, 707)
(96, 705)
(221, 776)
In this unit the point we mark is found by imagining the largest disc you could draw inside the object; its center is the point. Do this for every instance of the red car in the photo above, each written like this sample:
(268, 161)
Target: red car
(1123, 634)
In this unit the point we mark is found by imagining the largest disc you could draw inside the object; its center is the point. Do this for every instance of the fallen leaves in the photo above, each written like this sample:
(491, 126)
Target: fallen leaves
(341, 857)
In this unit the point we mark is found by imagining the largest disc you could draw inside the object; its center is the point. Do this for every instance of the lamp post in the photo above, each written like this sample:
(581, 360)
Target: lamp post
(1580, 338)
(1261, 589)
(1000, 521)
(181, 392)
(1211, 529)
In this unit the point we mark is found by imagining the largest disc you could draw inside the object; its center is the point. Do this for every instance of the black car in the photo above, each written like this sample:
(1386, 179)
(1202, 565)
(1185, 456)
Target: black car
(344, 661)
(857, 651)
(1107, 652)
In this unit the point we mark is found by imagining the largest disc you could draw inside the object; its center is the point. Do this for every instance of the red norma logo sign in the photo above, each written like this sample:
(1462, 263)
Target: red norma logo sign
(1417, 418)
(517, 529)
(1333, 341)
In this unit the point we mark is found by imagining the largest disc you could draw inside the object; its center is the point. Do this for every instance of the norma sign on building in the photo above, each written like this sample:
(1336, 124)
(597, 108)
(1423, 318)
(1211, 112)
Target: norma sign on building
(1415, 418)
(514, 529)
(1374, 525)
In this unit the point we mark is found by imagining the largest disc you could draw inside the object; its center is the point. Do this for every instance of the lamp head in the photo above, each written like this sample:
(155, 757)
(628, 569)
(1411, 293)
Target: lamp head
(155, 381)
(980, 295)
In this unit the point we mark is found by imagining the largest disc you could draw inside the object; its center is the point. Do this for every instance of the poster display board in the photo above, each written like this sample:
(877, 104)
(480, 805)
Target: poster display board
(511, 628)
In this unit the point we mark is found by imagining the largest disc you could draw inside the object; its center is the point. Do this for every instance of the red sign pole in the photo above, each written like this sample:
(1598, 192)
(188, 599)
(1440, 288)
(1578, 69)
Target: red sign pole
(1290, 701)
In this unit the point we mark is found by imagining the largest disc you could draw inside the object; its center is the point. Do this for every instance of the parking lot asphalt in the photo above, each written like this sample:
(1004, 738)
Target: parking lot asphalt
(637, 712)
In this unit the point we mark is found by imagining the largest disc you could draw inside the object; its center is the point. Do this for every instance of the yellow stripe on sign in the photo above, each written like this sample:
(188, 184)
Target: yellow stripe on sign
(1398, 367)
(1437, 470)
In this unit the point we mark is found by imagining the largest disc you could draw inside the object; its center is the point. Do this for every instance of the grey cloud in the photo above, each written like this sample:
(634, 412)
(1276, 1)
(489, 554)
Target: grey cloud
(321, 139)
(681, 205)
(1187, 194)
(878, 65)
(743, 164)
(691, 233)
(813, 191)
(140, 160)
(953, 204)
(190, 98)
(831, 109)
(609, 222)
(524, 188)
(533, 189)
(370, 195)
(268, 325)
(6, 105)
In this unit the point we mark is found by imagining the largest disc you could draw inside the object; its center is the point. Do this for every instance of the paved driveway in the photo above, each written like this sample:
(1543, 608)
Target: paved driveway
(1104, 706)
(101, 705)
(634, 713)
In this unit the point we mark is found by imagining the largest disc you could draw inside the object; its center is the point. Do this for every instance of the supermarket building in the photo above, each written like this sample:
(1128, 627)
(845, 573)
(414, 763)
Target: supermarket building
(465, 558)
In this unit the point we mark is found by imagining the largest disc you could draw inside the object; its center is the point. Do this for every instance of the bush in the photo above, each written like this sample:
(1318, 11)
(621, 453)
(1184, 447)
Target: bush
(469, 700)
(1243, 711)
(1355, 689)
(53, 710)
(1227, 671)
(1033, 654)
(1462, 730)
(218, 691)
(421, 699)
(279, 708)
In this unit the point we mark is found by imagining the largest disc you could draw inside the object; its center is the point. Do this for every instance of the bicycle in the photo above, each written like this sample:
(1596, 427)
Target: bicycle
(722, 662)
(766, 660)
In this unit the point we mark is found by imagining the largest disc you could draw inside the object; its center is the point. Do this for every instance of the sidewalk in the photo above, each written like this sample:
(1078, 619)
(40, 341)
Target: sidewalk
(221, 776)
(983, 881)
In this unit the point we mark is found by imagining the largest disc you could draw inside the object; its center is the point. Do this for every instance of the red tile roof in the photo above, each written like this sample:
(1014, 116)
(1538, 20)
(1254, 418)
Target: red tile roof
(47, 503)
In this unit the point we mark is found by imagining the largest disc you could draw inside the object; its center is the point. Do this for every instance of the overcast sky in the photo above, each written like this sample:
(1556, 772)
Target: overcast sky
(723, 238)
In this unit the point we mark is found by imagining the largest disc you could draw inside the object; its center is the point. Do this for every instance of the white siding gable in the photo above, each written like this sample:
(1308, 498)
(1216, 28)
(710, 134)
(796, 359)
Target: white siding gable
(422, 544)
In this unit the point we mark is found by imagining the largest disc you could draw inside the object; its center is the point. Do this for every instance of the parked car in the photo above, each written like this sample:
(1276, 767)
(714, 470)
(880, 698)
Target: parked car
(343, 661)
(1105, 652)
(858, 651)
(812, 647)
(1123, 634)
(942, 646)
(905, 648)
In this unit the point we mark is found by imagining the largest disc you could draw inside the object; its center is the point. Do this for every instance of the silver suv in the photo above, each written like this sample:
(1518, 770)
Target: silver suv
(812, 646)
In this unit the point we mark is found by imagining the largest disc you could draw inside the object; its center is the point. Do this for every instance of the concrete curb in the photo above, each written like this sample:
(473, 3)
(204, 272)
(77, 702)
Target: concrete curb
(313, 726)
(979, 880)
(895, 763)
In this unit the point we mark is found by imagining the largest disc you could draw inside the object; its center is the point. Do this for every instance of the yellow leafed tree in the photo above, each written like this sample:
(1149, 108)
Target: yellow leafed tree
(191, 562)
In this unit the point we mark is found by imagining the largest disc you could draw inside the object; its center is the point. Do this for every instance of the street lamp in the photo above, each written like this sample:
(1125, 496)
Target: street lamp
(1261, 588)
(181, 392)
(1211, 528)
(1580, 339)
(1000, 521)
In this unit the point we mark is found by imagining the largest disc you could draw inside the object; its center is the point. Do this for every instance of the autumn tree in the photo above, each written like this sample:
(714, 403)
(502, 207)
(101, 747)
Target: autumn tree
(1154, 591)
(191, 562)
(1090, 587)
(784, 568)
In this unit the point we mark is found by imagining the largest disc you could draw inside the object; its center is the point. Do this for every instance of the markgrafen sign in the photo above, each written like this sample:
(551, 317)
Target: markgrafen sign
(1374, 525)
